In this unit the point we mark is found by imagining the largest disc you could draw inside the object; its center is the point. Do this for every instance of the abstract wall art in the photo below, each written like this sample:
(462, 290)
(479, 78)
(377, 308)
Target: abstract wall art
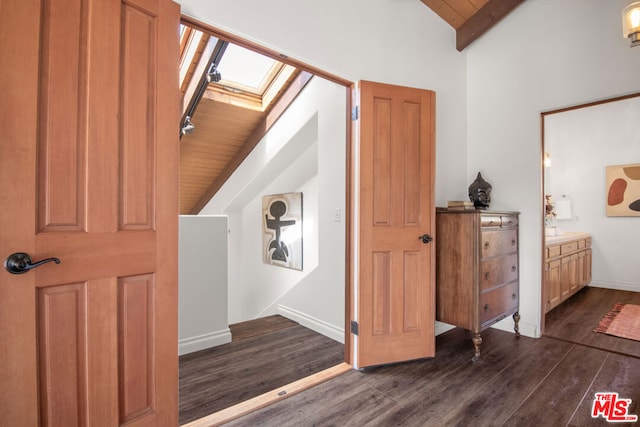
(282, 230)
(623, 190)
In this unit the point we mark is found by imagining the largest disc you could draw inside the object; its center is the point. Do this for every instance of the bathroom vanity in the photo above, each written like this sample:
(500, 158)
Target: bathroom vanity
(567, 267)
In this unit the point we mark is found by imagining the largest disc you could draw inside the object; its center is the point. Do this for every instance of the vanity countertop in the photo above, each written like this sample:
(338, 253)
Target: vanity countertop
(565, 237)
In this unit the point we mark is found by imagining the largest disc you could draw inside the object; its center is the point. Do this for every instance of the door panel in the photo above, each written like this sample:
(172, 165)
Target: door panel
(62, 116)
(92, 161)
(62, 320)
(396, 294)
(136, 314)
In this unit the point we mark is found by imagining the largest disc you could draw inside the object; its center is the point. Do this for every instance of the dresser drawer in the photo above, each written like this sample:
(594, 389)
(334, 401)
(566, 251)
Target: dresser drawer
(498, 221)
(499, 242)
(509, 221)
(490, 221)
(498, 303)
(496, 271)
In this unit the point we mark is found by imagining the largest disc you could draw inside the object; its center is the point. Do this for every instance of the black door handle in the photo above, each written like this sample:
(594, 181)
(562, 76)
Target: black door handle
(425, 238)
(20, 262)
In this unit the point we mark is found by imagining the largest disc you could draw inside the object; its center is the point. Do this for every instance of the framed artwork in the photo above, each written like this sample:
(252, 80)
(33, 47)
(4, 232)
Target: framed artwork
(282, 230)
(623, 190)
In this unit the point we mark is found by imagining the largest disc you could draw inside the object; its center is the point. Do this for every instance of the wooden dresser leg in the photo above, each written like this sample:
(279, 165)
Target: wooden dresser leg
(516, 320)
(477, 340)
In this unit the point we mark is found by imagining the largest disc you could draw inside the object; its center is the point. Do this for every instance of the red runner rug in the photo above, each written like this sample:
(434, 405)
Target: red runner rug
(623, 320)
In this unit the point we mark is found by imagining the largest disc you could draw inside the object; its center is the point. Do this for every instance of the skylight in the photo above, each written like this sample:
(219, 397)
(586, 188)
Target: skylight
(244, 69)
(248, 79)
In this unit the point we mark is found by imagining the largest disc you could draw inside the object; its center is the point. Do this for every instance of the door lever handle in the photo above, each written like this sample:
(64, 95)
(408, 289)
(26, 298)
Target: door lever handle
(19, 262)
(425, 238)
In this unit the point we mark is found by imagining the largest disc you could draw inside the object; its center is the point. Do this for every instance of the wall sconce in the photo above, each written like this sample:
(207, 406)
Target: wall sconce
(631, 23)
(547, 160)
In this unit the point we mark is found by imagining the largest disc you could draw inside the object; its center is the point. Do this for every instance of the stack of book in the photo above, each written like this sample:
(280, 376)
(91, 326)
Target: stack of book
(460, 205)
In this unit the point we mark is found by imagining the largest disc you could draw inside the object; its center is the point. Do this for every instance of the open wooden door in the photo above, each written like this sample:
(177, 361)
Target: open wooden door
(396, 261)
(89, 153)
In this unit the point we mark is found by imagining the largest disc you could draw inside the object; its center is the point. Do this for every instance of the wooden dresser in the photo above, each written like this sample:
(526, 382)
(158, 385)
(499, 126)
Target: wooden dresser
(567, 267)
(477, 269)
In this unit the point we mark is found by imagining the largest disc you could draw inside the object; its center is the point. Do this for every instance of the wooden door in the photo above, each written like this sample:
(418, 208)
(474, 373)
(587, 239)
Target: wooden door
(89, 170)
(396, 291)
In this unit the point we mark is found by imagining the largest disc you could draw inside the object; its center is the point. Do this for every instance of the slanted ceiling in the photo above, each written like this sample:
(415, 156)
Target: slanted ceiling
(471, 18)
(229, 124)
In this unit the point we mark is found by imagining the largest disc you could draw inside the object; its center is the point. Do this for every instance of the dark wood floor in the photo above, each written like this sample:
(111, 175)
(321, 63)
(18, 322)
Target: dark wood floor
(575, 319)
(264, 325)
(263, 356)
(517, 382)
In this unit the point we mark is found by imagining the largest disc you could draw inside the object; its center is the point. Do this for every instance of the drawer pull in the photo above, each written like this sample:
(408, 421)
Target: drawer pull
(513, 268)
(513, 242)
(514, 295)
(486, 307)
(486, 275)
(486, 245)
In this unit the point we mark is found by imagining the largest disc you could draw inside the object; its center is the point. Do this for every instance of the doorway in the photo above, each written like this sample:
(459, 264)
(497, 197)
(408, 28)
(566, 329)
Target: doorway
(579, 143)
(339, 215)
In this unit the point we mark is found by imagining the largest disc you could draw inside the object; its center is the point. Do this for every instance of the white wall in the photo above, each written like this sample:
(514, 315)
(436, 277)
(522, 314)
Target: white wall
(582, 143)
(202, 283)
(304, 151)
(545, 55)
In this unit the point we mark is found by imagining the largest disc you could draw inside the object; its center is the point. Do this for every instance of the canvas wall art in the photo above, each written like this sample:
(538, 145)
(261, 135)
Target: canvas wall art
(282, 230)
(623, 190)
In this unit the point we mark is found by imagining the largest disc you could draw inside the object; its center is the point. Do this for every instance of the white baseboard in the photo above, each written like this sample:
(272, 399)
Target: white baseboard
(526, 329)
(442, 327)
(312, 323)
(633, 287)
(201, 342)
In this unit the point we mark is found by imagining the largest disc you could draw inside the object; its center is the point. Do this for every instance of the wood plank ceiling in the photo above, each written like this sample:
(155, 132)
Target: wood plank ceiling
(471, 18)
(229, 122)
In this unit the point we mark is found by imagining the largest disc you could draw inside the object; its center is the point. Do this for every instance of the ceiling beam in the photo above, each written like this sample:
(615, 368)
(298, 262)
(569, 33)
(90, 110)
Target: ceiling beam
(485, 18)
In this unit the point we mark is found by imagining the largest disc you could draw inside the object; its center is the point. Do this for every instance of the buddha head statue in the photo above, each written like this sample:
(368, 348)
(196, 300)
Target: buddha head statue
(480, 193)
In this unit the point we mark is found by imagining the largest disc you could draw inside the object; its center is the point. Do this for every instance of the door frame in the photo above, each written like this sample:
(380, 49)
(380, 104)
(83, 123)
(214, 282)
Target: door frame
(541, 154)
(350, 206)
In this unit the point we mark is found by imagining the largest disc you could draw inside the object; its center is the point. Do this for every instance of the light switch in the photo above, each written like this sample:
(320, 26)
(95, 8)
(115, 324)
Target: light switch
(337, 216)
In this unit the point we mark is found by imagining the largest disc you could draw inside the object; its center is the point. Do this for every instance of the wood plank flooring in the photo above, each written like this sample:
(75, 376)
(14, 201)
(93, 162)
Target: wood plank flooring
(575, 319)
(214, 379)
(264, 325)
(517, 382)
